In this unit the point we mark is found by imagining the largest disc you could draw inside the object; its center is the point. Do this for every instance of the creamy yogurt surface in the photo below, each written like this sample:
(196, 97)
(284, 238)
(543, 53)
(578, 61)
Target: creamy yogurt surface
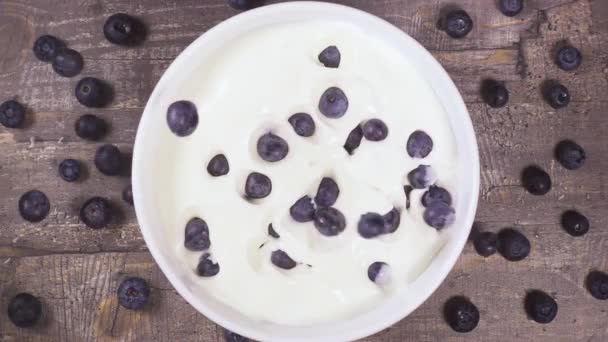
(250, 87)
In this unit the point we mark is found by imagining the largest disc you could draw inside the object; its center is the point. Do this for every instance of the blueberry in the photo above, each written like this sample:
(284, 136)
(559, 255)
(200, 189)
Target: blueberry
(34, 206)
(457, 24)
(329, 221)
(90, 127)
(182, 118)
(302, 124)
(282, 260)
(570, 154)
(24, 310)
(93, 92)
(371, 225)
(68, 63)
(197, 235)
(494, 93)
(206, 267)
(419, 144)
(327, 193)
(127, 194)
(218, 166)
(597, 284)
(330, 57)
(574, 223)
(392, 220)
(333, 103)
(540, 306)
(439, 215)
(69, 170)
(513, 245)
(436, 194)
(511, 8)
(353, 141)
(536, 180)
(133, 293)
(244, 4)
(123, 29)
(46, 48)
(568, 58)
(257, 185)
(96, 212)
(303, 210)
(407, 189)
(272, 148)
(379, 272)
(556, 95)
(272, 232)
(12, 114)
(108, 160)
(461, 314)
(375, 130)
(229, 336)
(421, 177)
(485, 243)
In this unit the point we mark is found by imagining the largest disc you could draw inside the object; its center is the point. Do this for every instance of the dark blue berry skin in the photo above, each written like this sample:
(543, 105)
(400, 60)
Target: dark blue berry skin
(96, 212)
(123, 29)
(24, 310)
(436, 194)
(302, 124)
(457, 24)
(597, 285)
(485, 243)
(419, 144)
(218, 166)
(182, 118)
(93, 92)
(333, 103)
(229, 336)
(570, 154)
(244, 4)
(353, 141)
(197, 235)
(438, 215)
(90, 127)
(374, 269)
(69, 170)
(12, 114)
(303, 210)
(540, 306)
(34, 206)
(330, 57)
(46, 48)
(327, 193)
(568, 58)
(281, 260)
(206, 267)
(513, 245)
(536, 180)
(371, 225)
(108, 160)
(133, 293)
(375, 130)
(272, 148)
(272, 232)
(257, 185)
(511, 8)
(127, 194)
(407, 189)
(68, 63)
(575, 223)
(329, 221)
(421, 177)
(494, 93)
(392, 220)
(461, 314)
(556, 95)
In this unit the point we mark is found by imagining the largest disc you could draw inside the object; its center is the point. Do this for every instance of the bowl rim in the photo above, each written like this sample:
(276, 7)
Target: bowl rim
(355, 331)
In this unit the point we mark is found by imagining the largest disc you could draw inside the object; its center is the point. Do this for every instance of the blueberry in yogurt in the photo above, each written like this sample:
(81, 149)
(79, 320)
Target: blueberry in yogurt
(570, 154)
(439, 215)
(302, 124)
(375, 130)
(282, 260)
(568, 58)
(597, 285)
(419, 144)
(257, 185)
(303, 210)
(218, 166)
(513, 245)
(207, 267)
(327, 193)
(272, 148)
(392, 220)
(371, 225)
(556, 94)
(407, 189)
(329, 221)
(34, 206)
(436, 194)
(540, 307)
(379, 272)
(182, 118)
(333, 103)
(197, 235)
(24, 310)
(273, 232)
(457, 23)
(421, 177)
(330, 57)
(353, 141)
(12, 114)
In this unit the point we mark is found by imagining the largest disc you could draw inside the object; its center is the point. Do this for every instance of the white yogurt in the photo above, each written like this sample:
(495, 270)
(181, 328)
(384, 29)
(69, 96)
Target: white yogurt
(253, 86)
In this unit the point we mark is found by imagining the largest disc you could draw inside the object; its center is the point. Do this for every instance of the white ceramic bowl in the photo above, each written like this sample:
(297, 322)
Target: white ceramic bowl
(401, 303)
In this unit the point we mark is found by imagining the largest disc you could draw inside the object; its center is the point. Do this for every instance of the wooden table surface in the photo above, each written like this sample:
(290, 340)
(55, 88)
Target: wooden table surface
(75, 270)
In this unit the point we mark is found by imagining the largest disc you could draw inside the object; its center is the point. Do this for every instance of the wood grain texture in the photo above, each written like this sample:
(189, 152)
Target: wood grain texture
(75, 270)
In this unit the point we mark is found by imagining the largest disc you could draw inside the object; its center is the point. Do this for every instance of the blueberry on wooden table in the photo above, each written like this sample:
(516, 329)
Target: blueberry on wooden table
(207, 267)
(69, 170)
(379, 272)
(34, 206)
(485, 243)
(461, 315)
(536, 180)
(333, 103)
(568, 58)
(230, 336)
(197, 235)
(303, 124)
(375, 130)
(327, 193)
(419, 144)
(511, 8)
(439, 215)
(93, 92)
(133, 293)
(457, 23)
(127, 194)
(12, 114)
(494, 93)
(257, 185)
(282, 260)
(597, 284)
(540, 307)
(303, 210)
(46, 48)
(24, 310)
(218, 166)
(570, 154)
(513, 245)
(108, 160)
(436, 194)
(123, 29)
(68, 63)
(330, 57)
(329, 221)
(575, 223)
(182, 118)
(90, 127)
(272, 148)
(96, 212)
(353, 141)
(556, 94)
(244, 4)
(421, 177)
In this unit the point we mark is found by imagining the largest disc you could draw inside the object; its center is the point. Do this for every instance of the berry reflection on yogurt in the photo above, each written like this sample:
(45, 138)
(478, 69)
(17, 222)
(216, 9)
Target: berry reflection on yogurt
(292, 150)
